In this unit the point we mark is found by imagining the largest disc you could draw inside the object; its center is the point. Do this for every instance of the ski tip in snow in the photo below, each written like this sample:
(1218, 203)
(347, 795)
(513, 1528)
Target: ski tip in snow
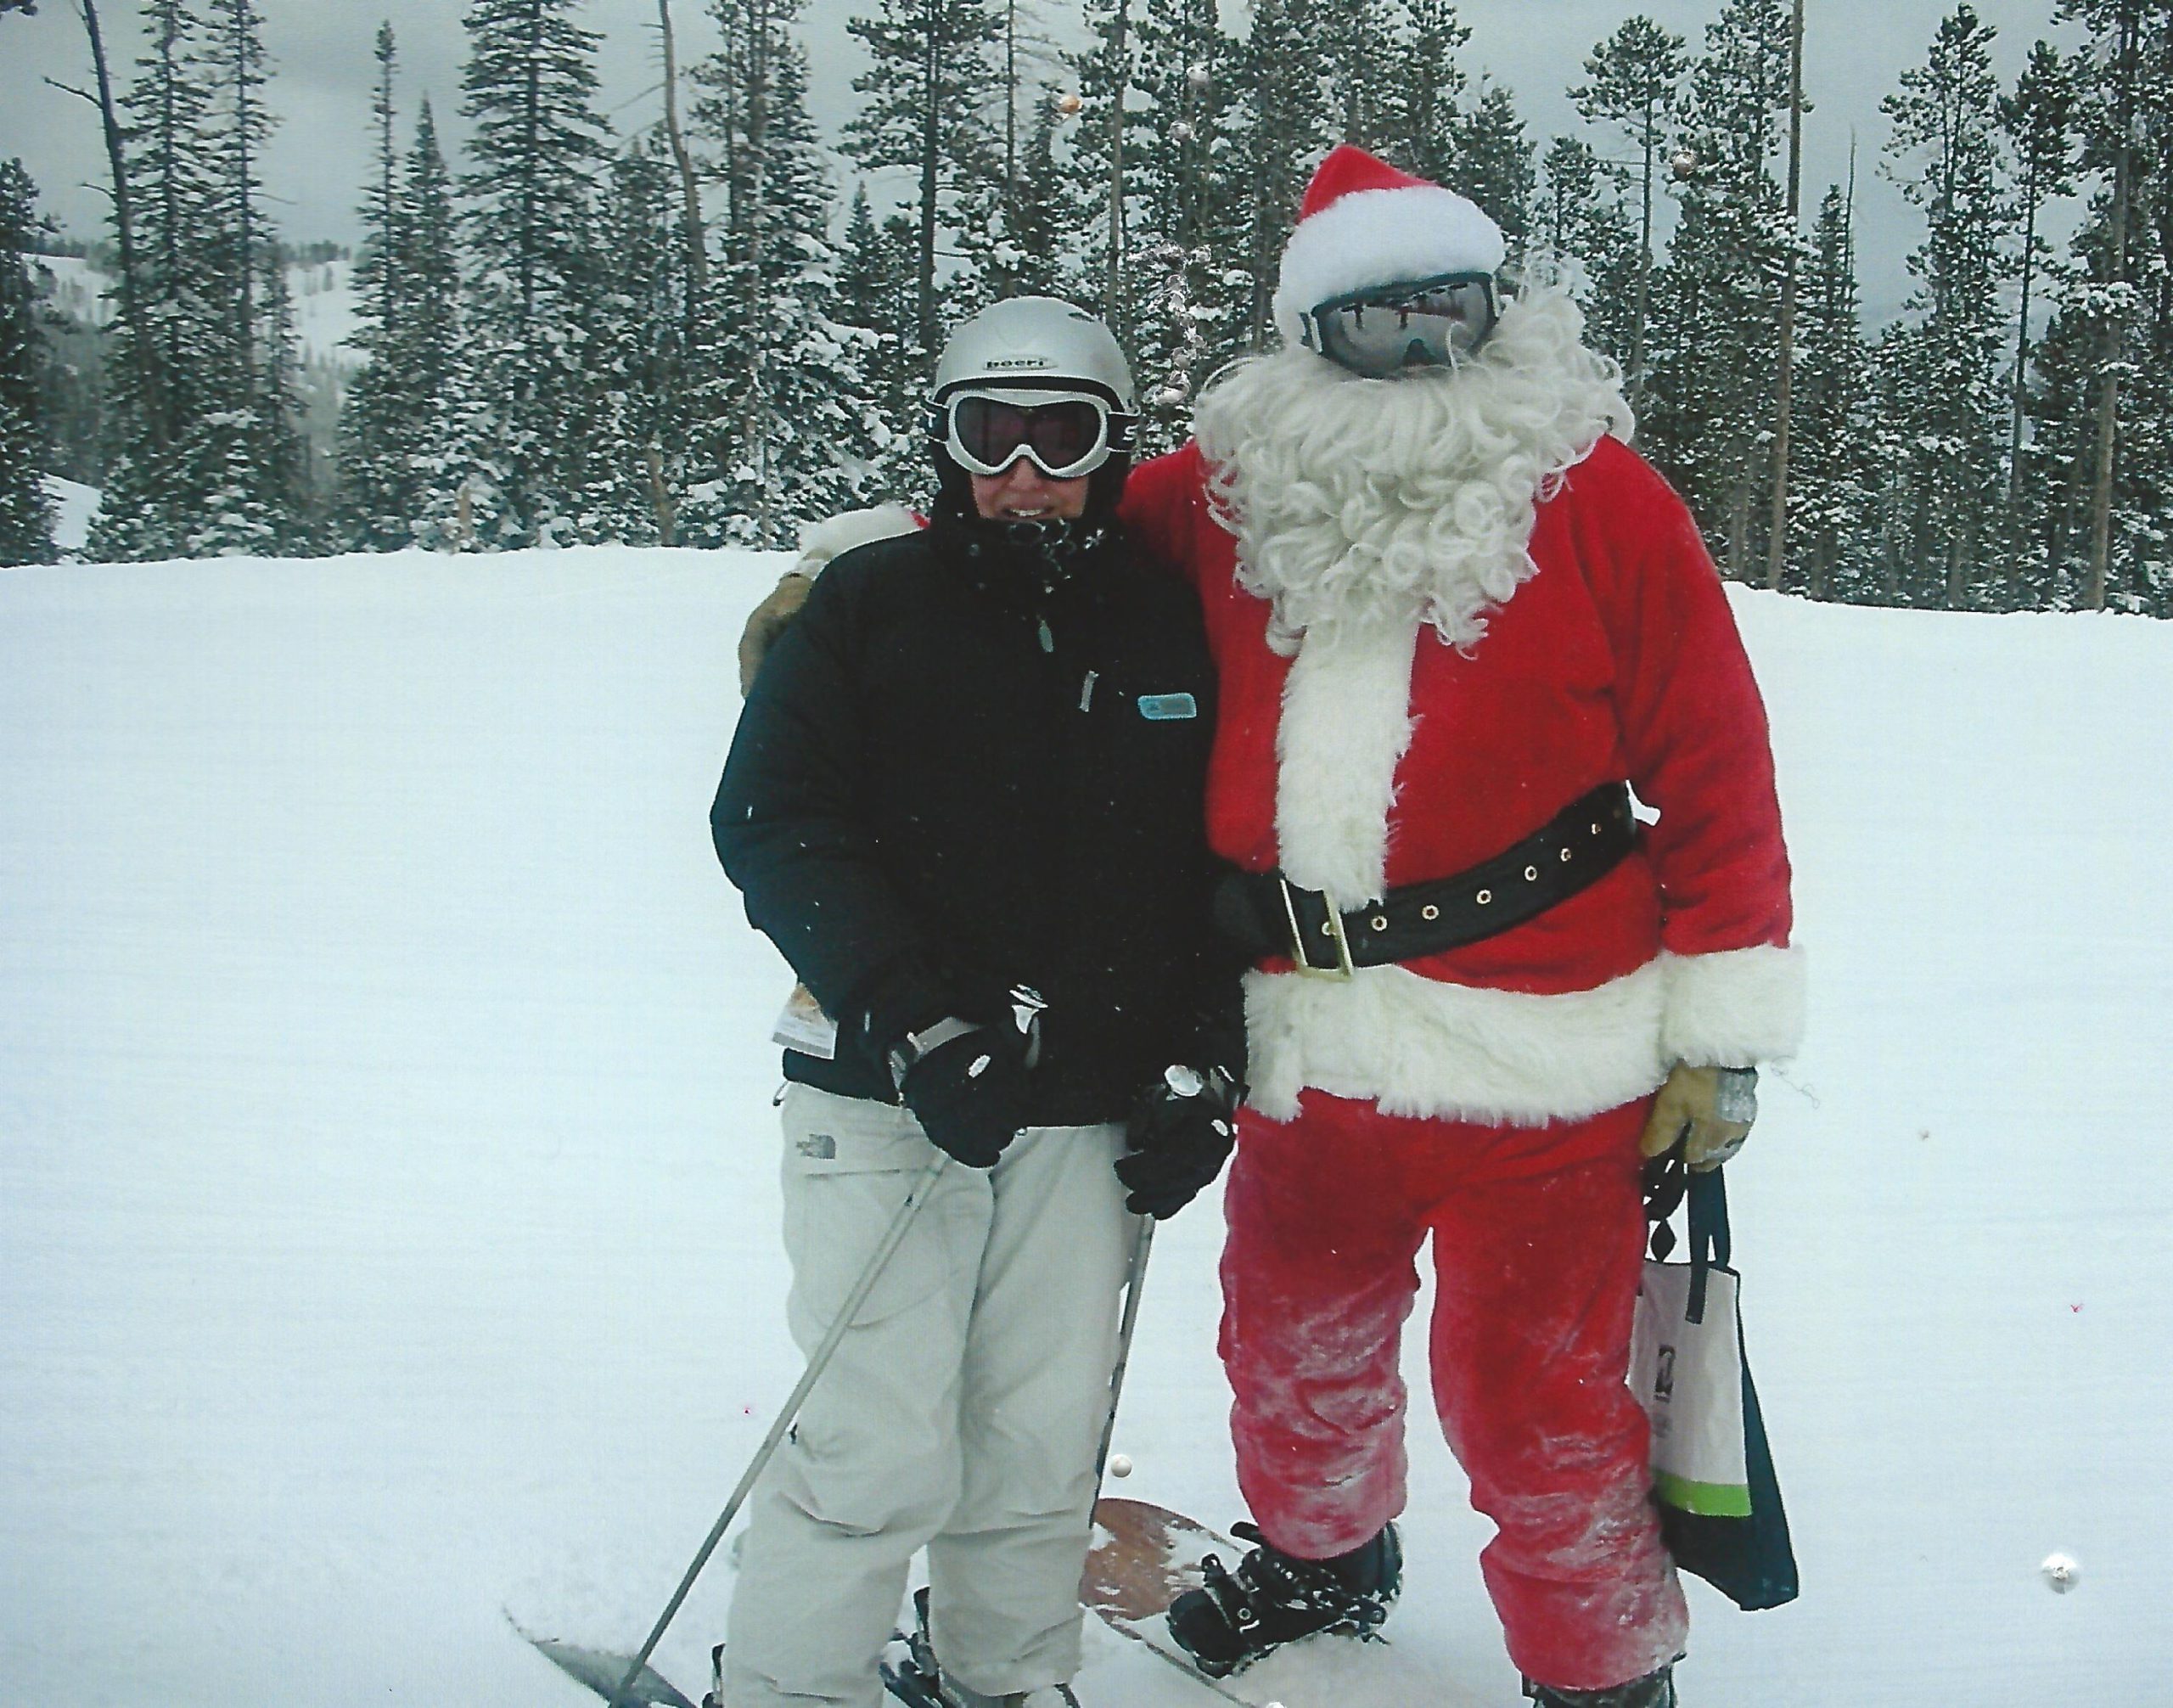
(604, 1673)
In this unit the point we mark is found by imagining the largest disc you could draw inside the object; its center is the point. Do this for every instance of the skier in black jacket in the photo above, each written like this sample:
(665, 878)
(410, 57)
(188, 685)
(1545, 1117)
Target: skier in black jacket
(965, 800)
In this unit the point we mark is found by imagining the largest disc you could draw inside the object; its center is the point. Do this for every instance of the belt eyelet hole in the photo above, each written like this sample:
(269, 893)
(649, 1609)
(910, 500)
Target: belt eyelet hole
(1484, 897)
(1379, 922)
(1565, 857)
(1429, 912)
(1531, 875)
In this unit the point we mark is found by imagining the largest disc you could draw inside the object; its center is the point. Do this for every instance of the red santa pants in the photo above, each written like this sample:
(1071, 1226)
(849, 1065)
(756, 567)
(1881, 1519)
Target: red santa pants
(1538, 1236)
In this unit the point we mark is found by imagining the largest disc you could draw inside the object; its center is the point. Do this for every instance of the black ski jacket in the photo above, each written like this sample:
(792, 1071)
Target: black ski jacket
(947, 781)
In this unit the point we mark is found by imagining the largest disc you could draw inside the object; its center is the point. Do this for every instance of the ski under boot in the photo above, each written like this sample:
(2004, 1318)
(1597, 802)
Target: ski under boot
(1653, 1690)
(1275, 1598)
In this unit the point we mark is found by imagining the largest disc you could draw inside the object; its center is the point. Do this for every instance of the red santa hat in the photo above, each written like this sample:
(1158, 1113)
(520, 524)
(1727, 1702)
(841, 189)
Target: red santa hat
(1363, 222)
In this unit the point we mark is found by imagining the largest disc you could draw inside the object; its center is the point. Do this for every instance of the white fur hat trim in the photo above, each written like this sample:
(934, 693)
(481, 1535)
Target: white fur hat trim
(1382, 237)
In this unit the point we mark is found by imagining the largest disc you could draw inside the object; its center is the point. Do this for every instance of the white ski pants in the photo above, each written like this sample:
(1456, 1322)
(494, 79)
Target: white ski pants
(961, 1412)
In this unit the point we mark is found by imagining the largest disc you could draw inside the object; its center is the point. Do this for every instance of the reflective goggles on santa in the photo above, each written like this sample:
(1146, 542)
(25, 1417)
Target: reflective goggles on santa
(1064, 434)
(1386, 329)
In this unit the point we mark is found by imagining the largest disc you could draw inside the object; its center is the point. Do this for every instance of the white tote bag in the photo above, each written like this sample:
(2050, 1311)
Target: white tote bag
(1687, 1371)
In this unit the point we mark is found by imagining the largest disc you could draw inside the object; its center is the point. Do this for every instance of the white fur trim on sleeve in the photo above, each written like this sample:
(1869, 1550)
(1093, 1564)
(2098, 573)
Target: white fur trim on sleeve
(1735, 1008)
(834, 535)
(1382, 237)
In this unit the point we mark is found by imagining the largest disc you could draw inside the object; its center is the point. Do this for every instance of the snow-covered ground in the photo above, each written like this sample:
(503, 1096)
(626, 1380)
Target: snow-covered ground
(75, 508)
(387, 1202)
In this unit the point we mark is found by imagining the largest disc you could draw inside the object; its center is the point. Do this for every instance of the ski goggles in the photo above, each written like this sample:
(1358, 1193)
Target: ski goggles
(1427, 323)
(1064, 434)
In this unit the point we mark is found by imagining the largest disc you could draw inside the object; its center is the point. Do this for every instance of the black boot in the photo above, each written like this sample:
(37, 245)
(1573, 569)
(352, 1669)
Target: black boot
(1653, 1690)
(1274, 1598)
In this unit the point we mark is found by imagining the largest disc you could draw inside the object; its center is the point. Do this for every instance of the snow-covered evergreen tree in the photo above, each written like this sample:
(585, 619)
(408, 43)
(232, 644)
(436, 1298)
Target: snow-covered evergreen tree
(1579, 216)
(1713, 346)
(374, 515)
(1496, 164)
(537, 154)
(1633, 82)
(2039, 120)
(165, 324)
(26, 511)
(1945, 152)
(785, 400)
(1833, 429)
(243, 453)
(876, 299)
(1183, 305)
(931, 84)
(1280, 130)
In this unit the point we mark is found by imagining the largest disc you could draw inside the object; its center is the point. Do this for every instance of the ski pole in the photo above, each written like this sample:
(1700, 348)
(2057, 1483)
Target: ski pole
(1136, 1278)
(816, 1364)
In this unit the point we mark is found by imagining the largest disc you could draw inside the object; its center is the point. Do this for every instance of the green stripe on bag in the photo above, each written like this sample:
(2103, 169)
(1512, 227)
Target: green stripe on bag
(1708, 1500)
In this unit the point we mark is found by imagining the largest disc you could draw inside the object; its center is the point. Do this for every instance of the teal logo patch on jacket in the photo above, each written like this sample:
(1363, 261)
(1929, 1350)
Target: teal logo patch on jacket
(1164, 708)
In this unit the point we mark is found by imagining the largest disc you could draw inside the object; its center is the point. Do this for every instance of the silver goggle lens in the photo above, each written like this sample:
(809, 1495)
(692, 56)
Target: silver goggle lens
(1435, 324)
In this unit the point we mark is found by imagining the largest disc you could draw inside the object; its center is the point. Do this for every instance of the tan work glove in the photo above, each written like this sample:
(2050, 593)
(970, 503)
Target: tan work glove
(1708, 1110)
(769, 620)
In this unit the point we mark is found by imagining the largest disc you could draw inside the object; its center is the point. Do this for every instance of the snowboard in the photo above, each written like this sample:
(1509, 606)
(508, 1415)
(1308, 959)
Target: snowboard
(1142, 1559)
(1145, 1556)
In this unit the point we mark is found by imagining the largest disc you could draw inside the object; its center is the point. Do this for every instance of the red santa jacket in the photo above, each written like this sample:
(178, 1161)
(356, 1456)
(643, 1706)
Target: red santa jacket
(1397, 758)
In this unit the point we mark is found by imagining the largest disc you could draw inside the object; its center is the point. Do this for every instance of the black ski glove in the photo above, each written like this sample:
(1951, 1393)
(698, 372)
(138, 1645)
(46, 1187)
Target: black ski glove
(1180, 1136)
(969, 1094)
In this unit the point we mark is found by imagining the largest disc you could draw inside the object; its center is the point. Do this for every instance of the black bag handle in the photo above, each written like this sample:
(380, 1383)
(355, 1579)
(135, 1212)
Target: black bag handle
(1668, 1182)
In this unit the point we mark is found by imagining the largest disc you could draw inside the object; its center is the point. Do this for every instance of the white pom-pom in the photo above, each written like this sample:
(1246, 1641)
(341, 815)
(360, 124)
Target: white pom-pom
(2060, 1572)
(1120, 1464)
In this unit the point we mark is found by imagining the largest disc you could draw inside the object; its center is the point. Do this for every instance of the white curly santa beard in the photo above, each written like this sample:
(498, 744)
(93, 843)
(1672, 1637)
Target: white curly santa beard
(1364, 509)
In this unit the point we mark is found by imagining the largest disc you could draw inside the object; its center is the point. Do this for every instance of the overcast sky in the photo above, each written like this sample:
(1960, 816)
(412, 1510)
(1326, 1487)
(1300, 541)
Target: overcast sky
(1854, 50)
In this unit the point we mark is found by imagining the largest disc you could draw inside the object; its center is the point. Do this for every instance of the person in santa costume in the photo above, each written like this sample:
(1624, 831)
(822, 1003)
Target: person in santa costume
(1455, 620)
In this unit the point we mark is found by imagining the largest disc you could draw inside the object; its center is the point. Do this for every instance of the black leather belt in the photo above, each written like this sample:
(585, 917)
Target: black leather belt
(1264, 913)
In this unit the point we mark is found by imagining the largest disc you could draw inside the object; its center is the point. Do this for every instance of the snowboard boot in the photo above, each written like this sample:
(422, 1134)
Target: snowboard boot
(1275, 1598)
(1653, 1690)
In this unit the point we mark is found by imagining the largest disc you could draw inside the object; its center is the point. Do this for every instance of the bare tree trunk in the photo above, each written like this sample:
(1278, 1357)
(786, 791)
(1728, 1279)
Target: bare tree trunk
(1119, 78)
(2108, 392)
(930, 137)
(1776, 539)
(689, 193)
(148, 375)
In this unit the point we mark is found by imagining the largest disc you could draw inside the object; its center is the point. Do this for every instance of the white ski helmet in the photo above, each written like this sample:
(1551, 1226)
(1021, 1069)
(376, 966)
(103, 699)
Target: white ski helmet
(1034, 341)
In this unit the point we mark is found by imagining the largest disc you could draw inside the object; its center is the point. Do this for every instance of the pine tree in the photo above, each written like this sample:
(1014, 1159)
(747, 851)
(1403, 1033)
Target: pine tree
(1634, 83)
(931, 82)
(25, 510)
(1183, 307)
(1579, 216)
(2107, 396)
(538, 152)
(1709, 396)
(167, 322)
(1433, 125)
(876, 301)
(244, 453)
(1945, 152)
(1832, 468)
(1494, 160)
(1280, 130)
(2039, 121)
(422, 371)
(374, 515)
(786, 400)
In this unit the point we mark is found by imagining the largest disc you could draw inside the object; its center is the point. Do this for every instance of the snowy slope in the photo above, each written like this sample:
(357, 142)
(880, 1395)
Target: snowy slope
(387, 1211)
(323, 294)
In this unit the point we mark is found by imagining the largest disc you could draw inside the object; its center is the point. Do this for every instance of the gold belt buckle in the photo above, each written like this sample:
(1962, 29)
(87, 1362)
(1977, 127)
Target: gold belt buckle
(1343, 971)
